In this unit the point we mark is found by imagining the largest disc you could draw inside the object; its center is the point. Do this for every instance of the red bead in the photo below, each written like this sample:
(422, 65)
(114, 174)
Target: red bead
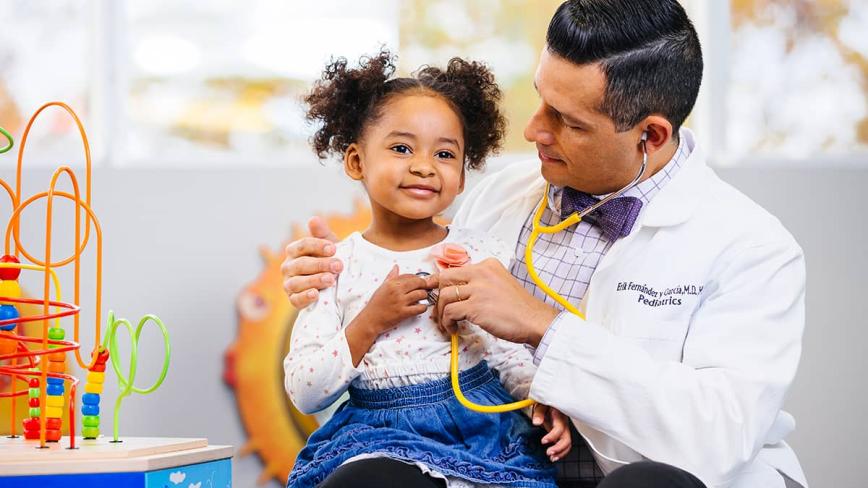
(98, 368)
(34, 383)
(31, 424)
(53, 423)
(33, 403)
(52, 435)
(31, 434)
(102, 355)
(9, 273)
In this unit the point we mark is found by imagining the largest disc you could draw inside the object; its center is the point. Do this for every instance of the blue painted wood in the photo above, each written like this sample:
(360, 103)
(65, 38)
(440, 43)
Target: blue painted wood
(213, 474)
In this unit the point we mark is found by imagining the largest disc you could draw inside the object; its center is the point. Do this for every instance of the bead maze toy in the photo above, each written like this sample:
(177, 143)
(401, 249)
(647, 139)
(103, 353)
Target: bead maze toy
(34, 360)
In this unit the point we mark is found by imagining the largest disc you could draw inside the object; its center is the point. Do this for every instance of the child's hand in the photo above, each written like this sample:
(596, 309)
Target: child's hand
(558, 427)
(396, 300)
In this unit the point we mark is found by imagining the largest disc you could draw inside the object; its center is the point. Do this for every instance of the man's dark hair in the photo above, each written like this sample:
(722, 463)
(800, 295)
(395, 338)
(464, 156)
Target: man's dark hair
(648, 50)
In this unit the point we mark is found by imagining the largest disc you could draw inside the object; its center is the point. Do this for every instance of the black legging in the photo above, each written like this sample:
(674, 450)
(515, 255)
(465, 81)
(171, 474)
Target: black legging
(380, 473)
(389, 473)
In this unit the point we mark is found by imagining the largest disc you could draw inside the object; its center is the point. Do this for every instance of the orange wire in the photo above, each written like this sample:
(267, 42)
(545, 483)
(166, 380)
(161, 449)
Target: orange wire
(14, 229)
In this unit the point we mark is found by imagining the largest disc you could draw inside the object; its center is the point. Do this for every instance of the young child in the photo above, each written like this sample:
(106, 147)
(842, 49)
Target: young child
(408, 140)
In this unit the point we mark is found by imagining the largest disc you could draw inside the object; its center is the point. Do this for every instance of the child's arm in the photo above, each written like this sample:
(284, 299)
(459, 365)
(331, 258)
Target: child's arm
(324, 356)
(514, 363)
(319, 366)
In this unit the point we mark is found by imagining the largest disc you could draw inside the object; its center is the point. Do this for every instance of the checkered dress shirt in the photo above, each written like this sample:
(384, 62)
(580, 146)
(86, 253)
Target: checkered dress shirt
(566, 261)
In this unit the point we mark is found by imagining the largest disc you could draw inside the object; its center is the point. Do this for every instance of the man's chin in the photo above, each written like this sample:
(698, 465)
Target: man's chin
(556, 176)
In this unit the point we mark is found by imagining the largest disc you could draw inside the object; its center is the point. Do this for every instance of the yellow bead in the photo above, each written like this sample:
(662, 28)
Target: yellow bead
(54, 412)
(93, 388)
(9, 289)
(95, 377)
(54, 401)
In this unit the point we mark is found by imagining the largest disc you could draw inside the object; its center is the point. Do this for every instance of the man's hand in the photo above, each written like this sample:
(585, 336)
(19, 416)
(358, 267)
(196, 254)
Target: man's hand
(488, 296)
(308, 266)
(558, 427)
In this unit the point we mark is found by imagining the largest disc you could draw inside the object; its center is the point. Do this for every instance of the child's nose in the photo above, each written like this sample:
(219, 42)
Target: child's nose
(422, 167)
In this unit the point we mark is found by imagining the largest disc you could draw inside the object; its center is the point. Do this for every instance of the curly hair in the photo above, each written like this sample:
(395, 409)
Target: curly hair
(344, 101)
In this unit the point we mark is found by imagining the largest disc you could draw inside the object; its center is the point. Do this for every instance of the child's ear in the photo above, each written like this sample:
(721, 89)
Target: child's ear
(353, 162)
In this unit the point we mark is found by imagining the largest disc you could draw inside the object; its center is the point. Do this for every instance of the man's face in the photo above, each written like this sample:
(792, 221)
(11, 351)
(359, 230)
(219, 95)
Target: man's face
(577, 143)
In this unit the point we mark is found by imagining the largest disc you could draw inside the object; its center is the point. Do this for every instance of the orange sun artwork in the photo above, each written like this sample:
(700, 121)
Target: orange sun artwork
(254, 362)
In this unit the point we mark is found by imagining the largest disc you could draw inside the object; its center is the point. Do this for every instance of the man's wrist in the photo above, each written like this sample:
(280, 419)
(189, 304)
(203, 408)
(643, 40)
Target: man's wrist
(540, 325)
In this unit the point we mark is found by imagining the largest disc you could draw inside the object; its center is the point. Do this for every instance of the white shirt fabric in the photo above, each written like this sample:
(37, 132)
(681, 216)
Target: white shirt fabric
(693, 332)
(319, 365)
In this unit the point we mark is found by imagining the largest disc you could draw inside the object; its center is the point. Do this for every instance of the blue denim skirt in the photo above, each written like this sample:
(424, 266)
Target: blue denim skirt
(425, 424)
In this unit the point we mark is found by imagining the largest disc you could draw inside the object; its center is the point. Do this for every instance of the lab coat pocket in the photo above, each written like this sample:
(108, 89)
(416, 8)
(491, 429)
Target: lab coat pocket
(663, 339)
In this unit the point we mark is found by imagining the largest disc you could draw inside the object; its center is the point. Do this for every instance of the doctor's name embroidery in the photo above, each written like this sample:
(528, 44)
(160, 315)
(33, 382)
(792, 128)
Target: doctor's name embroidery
(659, 298)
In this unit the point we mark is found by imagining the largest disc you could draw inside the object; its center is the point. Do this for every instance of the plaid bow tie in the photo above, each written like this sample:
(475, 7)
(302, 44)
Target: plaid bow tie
(615, 218)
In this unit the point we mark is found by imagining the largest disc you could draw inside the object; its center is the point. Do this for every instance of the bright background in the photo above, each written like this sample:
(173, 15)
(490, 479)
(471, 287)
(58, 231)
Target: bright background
(201, 157)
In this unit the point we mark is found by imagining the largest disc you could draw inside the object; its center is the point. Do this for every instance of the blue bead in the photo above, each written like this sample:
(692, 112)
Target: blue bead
(8, 312)
(55, 381)
(90, 409)
(90, 399)
(54, 390)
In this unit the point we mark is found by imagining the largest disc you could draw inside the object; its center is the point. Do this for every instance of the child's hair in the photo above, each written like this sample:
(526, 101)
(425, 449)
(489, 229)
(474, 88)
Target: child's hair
(346, 100)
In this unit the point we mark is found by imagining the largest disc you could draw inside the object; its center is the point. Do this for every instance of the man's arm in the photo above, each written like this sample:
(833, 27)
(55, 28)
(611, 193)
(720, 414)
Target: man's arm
(711, 413)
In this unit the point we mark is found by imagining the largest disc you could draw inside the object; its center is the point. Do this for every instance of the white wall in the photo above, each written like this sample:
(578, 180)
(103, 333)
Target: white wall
(182, 243)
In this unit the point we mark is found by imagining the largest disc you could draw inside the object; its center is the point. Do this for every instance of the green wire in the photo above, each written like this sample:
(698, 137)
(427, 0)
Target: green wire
(125, 382)
(8, 138)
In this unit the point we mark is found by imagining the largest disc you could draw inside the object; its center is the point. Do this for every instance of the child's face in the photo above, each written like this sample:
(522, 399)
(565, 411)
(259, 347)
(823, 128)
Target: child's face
(411, 159)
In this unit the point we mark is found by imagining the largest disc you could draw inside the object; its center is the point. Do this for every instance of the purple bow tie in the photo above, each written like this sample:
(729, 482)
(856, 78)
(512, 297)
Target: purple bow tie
(615, 218)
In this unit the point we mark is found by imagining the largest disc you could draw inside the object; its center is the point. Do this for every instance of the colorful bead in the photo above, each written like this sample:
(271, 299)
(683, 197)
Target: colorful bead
(56, 333)
(54, 401)
(53, 423)
(34, 412)
(90, 432)
(95, 377)
(31, 424)
(34, 392)
(54, 412)
(33, 402)
(9, 289)
(93, 388)
(99, 368)
(90, 399)
(55, 390)
(52, 435)
(34, 382)
(56, 366)
(55, 381)
(90, 409)
(31, 434)
(8, 312)
(9, 273)
(90, 420)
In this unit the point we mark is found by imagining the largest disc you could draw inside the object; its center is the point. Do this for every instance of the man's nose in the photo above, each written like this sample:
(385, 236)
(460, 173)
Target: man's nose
(537, 129)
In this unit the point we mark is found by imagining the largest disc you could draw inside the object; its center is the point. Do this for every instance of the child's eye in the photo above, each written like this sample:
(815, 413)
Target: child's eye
(401, 149)
(445, 155)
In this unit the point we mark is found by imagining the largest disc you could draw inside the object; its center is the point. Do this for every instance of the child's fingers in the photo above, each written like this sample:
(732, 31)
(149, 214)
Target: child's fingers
(555, 433)
(539, 413)
(560, 448)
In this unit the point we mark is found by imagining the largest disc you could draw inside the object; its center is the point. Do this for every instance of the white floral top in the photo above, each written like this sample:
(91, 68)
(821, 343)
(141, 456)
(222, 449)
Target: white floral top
(319, 365)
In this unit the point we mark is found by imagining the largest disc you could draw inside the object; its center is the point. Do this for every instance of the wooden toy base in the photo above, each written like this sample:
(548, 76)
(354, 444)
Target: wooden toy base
(147, 462)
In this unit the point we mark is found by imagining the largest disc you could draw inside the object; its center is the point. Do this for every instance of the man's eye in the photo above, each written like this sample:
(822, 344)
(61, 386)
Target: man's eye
(401, 148)
(445, 155)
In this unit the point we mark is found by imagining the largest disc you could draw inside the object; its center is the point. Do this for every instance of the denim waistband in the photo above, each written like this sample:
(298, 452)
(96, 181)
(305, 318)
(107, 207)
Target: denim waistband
(423, 393)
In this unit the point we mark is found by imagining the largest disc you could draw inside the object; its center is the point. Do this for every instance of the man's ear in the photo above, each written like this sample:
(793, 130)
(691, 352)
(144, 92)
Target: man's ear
(353, 162)
(659, 131)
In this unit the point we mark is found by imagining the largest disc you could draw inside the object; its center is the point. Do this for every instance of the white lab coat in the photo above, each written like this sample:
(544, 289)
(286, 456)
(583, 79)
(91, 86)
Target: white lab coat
(693, 334)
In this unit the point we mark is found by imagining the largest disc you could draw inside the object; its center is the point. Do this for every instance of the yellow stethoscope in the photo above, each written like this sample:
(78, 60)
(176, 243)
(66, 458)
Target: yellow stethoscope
(536, 230)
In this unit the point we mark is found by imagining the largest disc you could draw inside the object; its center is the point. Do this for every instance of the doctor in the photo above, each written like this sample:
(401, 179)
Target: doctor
(694, 295)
